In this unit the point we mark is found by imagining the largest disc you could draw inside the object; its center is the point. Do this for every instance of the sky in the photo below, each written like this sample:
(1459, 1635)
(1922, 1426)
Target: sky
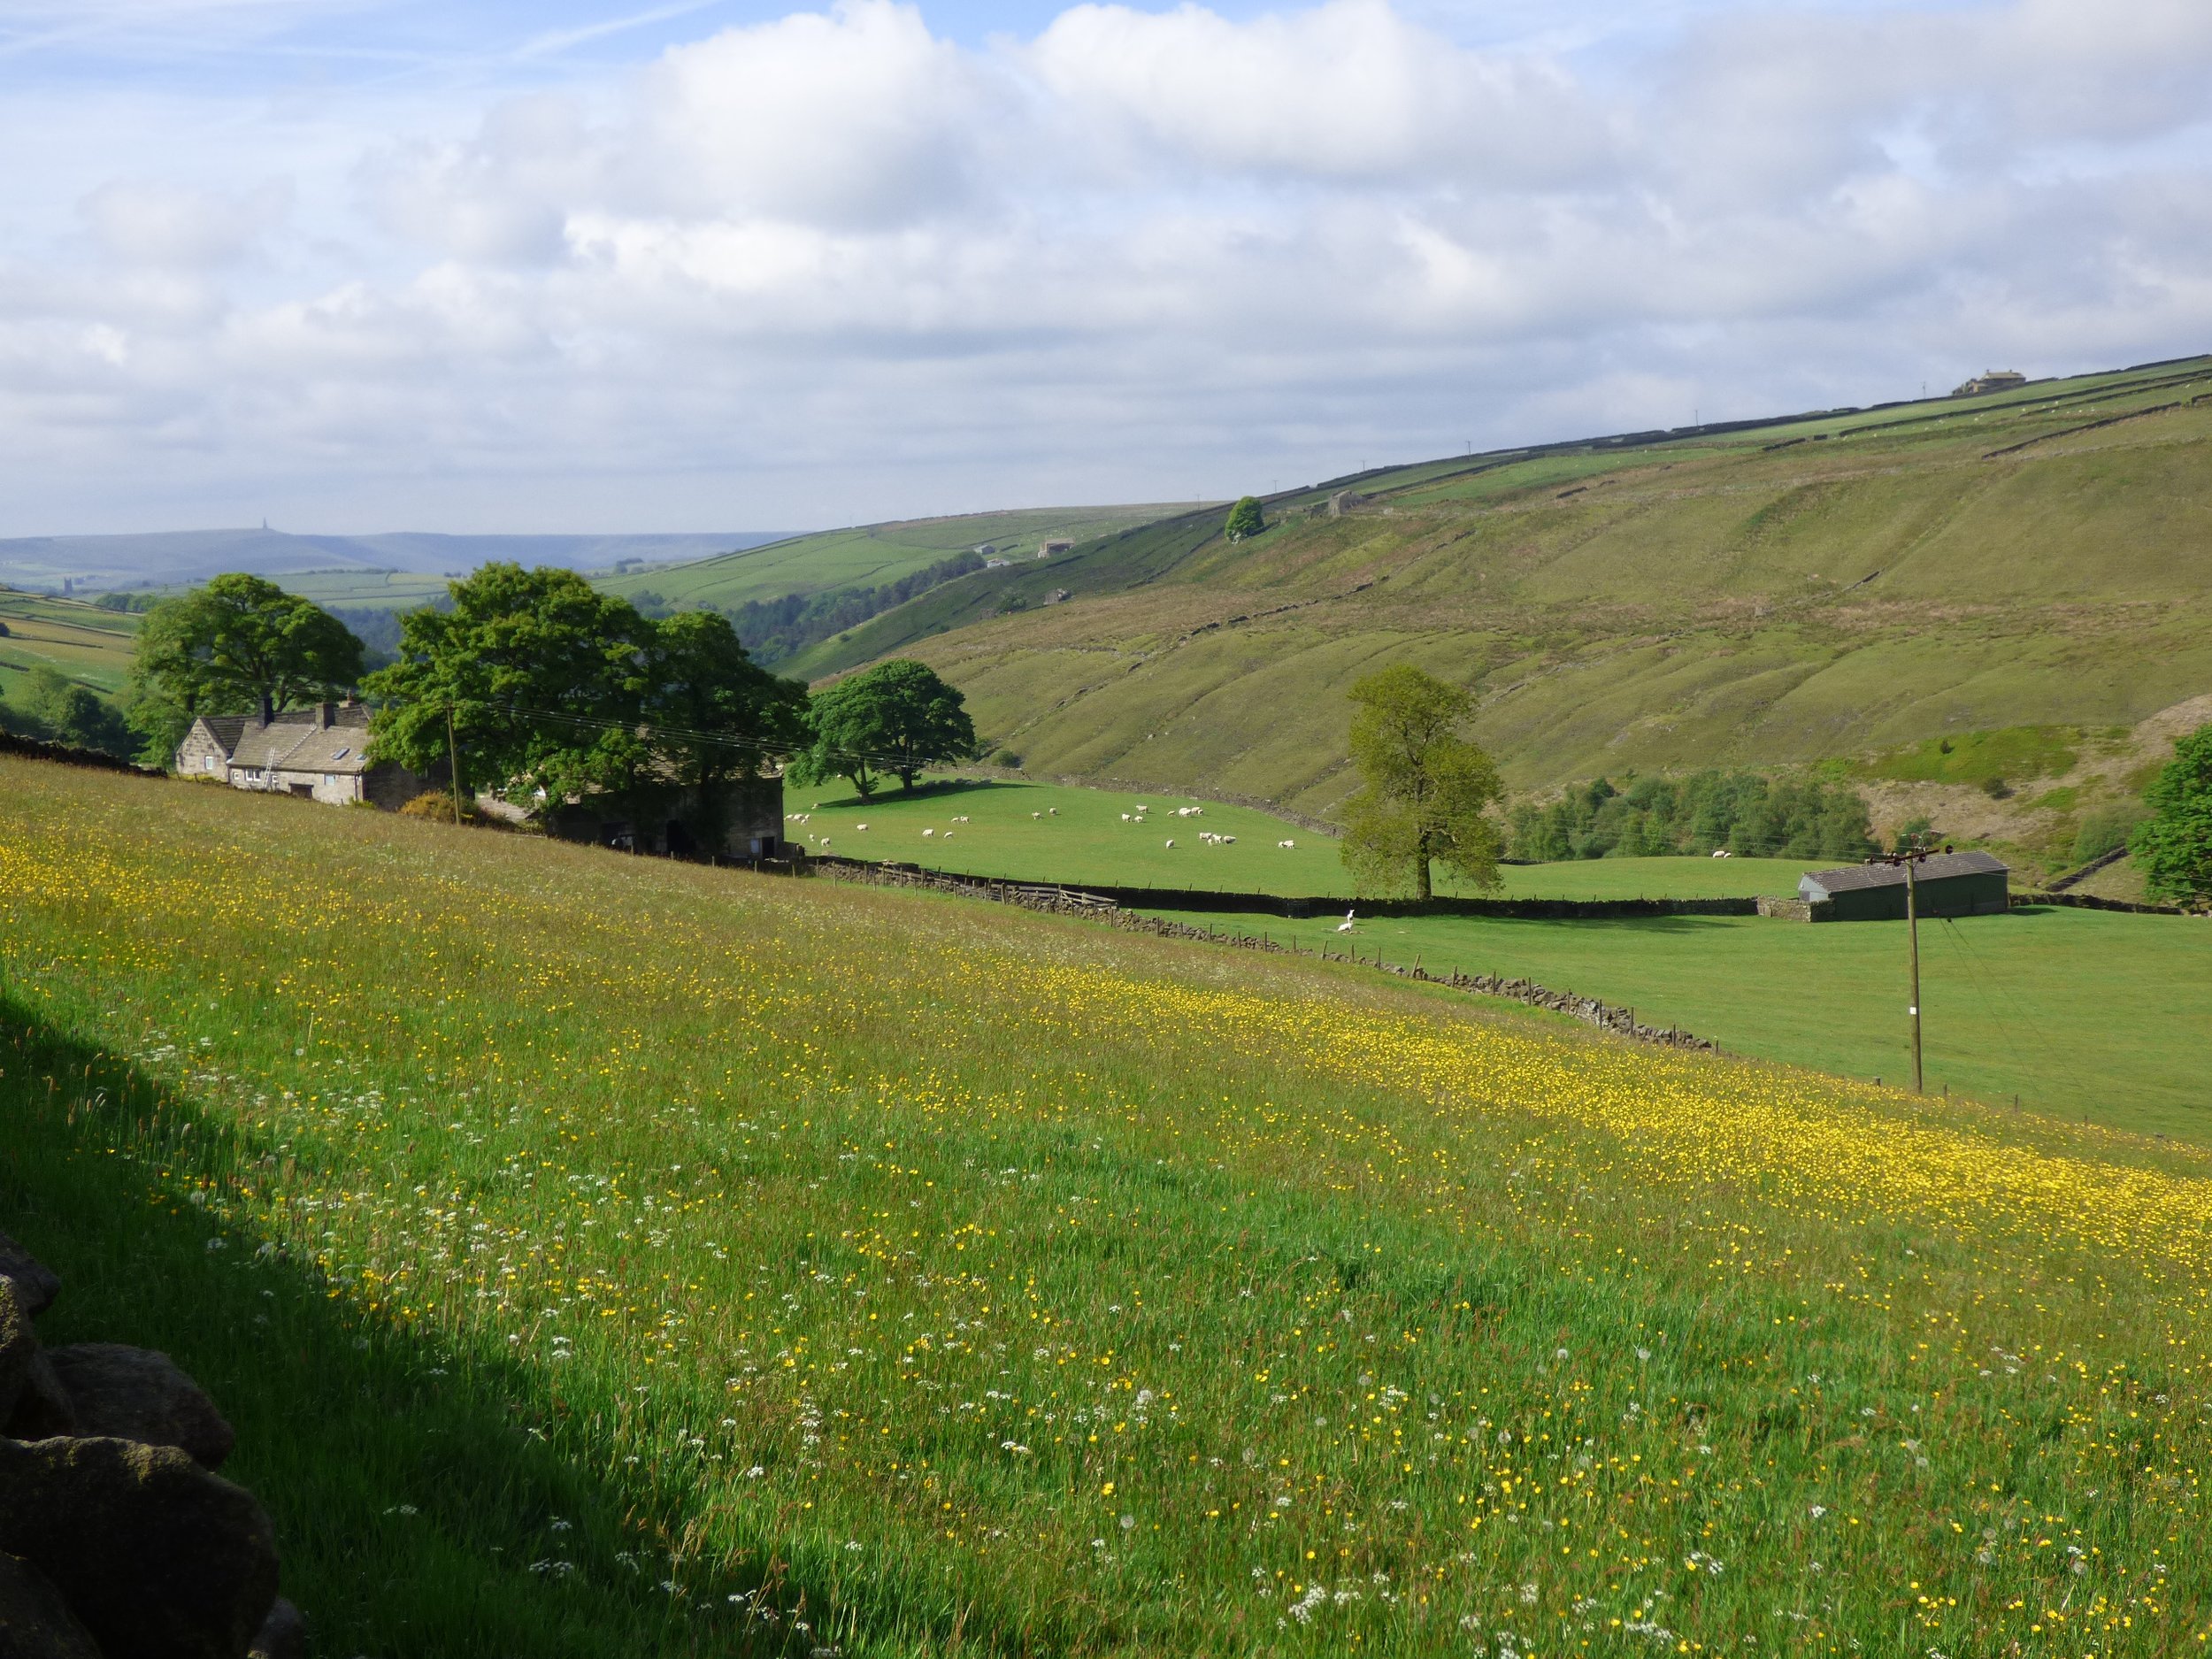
(361, 265)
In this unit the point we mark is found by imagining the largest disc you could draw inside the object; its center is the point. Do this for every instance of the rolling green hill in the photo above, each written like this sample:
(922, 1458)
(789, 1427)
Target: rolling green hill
(1831, 587)
(868, 554)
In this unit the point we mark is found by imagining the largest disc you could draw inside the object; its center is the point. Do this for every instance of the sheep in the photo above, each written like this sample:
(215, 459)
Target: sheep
(860, 826)
(1171, 841)
(963, 819)
(1226, 841)
(1286, 844)
(1124, 817)
(1036, 815)
(1345, 926)
(929, 831)
(1053, 810)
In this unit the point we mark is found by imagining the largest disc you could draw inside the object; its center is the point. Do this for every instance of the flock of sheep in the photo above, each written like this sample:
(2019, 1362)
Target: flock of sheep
(1137, 817)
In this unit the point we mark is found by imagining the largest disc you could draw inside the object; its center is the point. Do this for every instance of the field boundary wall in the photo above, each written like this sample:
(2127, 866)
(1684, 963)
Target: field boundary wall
(62, 754)
(1067, 900)
(2091, 902)
(1294, 908)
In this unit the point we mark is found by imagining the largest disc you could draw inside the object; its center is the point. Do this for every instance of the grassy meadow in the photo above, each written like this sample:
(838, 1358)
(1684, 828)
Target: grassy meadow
(2102, 1016)
(1073, 834)
(601, 1256)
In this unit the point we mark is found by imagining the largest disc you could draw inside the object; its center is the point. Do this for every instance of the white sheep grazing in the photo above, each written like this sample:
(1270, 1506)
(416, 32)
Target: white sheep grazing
(1226, 841)
(1171, 841)
(929, 831)
(1286, 843)
(1038, 815)
(1345, 926)
(1124, 817)
(1053, 810)
(1143, 808)
(963, 819)
(860, 826)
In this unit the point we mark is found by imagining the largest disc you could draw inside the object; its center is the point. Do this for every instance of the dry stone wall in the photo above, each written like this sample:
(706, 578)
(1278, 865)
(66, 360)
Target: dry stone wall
(118, 1537)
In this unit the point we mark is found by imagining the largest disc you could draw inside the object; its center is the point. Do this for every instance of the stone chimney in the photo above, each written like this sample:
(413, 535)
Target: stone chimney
(325, 715)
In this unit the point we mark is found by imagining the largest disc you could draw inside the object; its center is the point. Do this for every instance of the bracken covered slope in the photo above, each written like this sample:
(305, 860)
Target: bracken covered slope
(1825, 587)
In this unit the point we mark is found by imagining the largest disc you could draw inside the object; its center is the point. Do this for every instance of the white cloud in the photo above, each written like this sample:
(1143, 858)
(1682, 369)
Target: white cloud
(837, 265)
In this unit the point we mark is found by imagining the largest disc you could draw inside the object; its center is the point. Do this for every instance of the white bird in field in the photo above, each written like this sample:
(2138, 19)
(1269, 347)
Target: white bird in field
(1345, 926)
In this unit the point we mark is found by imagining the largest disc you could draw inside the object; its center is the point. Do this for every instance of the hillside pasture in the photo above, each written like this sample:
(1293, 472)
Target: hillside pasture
(2093, 1015)
(1070, 834)
(599, 1256)
(867, 555)
(88, 644)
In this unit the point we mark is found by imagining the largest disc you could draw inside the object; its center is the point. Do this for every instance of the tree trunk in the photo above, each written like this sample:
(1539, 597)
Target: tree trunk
(1421, 890)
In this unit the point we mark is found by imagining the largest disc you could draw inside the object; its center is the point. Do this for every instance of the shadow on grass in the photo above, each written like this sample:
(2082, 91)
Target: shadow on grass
(419, 1509)
(890, 793)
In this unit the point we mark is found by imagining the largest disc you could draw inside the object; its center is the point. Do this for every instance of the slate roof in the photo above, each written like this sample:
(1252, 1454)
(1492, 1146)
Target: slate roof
(298, 742)
(1852, 878)
(226, 729)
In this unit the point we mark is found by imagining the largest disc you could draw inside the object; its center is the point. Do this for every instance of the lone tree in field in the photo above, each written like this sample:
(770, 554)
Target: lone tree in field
(2174, 845)
(1244, 520)
(1426, 786)
(238, 644)
(897, 717)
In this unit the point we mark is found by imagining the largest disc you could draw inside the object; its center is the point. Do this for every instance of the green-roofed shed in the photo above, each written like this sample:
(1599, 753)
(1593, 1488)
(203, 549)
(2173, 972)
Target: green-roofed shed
(1947, 884)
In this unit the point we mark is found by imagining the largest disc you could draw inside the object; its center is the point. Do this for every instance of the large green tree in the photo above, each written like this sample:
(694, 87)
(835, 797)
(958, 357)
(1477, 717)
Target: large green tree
(711, 714)
(897, 717)
(1244, 520)
(2173, 846)
(541, 677)
(1425, 786)
(239, 645)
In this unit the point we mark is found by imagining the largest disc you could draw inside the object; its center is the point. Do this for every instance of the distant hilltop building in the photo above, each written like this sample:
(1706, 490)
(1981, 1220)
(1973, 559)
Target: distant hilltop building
(1995, 380)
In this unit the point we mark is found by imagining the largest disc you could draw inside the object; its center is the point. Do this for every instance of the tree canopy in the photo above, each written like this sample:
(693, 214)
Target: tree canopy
(710, 713)
(239, 645)
(1426, 788)
(540, 675)
(2173, 846)
(551, 685)
(1244, 518)
(897, 717)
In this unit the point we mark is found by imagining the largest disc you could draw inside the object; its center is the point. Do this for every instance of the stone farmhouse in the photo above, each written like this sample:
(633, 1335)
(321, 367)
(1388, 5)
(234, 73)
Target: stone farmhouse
(1995, 380)
(321, 753)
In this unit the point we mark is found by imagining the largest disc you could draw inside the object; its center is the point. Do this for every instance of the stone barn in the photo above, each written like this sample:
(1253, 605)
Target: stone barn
(1946, 884)
(743, 820)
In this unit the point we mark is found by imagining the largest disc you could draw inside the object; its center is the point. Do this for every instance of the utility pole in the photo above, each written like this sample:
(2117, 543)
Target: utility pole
(1909, 854)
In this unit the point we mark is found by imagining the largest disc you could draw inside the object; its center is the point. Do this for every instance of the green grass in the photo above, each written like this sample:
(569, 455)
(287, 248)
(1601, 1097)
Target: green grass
(2102, 1017)
(367, 590)
(1073, 834)
(867, 556)
(579, 1243)
(2015, 755)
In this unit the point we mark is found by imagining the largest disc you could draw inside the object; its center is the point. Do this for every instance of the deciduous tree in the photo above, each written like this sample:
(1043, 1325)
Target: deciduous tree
(897, 717)
(1427, 786)
(238, 645)
(542, 677)
(2174, 845)
(1244, 520)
